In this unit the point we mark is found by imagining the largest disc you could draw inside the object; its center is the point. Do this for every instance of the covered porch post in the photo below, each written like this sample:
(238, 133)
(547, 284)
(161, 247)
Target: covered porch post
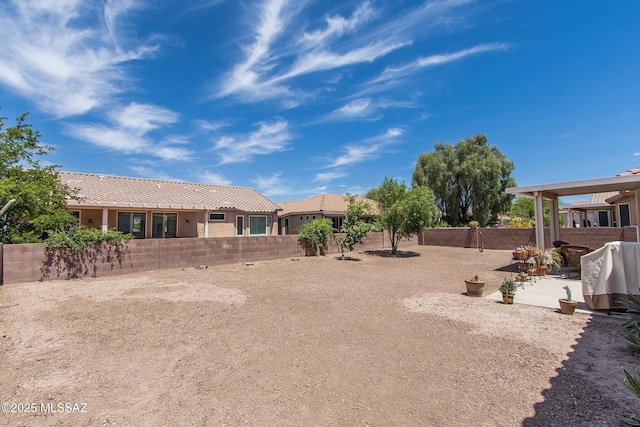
(637, 193)
(539, 218)
(105, 220)
(554, 223)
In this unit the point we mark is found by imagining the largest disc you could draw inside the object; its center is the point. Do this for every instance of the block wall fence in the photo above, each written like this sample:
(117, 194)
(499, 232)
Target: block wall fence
(22, 263)
(509, 238)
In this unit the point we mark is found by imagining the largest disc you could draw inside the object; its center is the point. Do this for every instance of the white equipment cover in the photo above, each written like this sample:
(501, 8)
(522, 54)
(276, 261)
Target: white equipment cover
(610, 274)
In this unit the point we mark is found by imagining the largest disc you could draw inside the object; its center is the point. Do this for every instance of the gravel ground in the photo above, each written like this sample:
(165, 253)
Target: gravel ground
(373, 340)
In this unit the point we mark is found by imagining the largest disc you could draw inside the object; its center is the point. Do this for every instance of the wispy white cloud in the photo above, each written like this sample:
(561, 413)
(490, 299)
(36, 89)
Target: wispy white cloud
(210, 125)
(368, 149)
(338, 25)
(358, 108)
(213, 178)
(127, 132)
(268, 138)
(272, 185)
(55, 55)
(394, 73)
(365, 109)
(329, 176)
(150, 172)
(280, 51)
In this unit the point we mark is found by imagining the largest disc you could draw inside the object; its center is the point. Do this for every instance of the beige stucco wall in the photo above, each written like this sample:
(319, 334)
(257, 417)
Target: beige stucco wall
(190, 223)
(295, 222)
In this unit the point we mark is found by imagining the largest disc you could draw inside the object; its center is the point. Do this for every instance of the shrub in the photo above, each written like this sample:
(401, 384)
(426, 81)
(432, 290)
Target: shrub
(77, 250)
(314, 236)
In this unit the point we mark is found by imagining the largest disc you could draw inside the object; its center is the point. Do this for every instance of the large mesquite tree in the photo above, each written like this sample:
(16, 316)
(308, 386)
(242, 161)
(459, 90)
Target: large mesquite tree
(468, 179)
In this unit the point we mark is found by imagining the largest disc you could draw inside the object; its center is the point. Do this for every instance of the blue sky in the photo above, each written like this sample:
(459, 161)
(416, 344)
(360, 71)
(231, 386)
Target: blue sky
(297, 98)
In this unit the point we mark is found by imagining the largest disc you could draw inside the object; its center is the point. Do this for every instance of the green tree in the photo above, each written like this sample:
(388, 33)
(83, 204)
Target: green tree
(40, 198)
(523, 207)
(468, 180)
(403, 212)
(354, 227)
(314, 236)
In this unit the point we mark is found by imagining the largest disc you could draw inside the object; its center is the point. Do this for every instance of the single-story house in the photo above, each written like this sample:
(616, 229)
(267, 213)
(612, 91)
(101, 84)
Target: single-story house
(296, 213)
(150, 208)
(607, 209)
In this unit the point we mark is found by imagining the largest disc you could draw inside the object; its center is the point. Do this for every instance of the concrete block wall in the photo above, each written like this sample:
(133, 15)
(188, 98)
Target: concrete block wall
(509, 238)
(23, 263)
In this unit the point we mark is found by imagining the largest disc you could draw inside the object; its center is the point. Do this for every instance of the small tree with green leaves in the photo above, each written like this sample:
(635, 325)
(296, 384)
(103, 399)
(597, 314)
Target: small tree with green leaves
(354, 227)
(403, 212)
(314, 236)
(40, 198)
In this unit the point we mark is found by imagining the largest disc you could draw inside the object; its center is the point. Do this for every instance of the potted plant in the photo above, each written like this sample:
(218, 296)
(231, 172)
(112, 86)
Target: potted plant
(532, 250)
(508, 289)
(547, 260)
(520, 253)
(474, 286)
(567, 305)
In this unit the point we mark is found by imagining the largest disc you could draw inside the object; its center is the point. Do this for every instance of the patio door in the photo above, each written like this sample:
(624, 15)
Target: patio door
(132, 222)
(164, 225)
(625, 215)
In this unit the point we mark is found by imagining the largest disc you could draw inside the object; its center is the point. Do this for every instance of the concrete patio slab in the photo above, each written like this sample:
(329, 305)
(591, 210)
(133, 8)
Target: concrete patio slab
(545, 292)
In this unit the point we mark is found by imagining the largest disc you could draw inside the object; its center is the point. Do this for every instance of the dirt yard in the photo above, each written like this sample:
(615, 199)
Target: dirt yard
(374, 341)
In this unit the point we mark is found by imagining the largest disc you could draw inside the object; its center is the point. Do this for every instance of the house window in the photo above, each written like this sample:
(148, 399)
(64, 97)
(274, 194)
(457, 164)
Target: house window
(217, 217)
(625, 215)
(258, 225)
(286, 226)
(133, 223)
(164, 225)
(314, 217)
(336, 222)
(239, 226)
(603, 218)
(76, 214)
(300, 218)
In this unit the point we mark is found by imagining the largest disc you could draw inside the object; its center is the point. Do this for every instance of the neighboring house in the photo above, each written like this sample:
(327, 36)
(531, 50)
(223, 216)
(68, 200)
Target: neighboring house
(149, 208)
(295, 214)
(610, 209)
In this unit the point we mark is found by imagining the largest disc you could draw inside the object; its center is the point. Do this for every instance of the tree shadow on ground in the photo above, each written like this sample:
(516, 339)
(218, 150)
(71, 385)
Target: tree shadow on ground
(347, 258)
(388, 254)
(576, 396)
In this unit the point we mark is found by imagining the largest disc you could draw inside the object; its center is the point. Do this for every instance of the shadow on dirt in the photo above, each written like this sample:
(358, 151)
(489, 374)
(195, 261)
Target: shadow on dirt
(388, 254)
(347, 258)
(590, 402)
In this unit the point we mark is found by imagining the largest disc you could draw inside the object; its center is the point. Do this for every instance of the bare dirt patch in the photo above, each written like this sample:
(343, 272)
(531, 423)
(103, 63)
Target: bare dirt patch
(315, 341)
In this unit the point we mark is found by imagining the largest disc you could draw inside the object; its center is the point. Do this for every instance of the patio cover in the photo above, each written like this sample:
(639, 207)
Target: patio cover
(552, 191)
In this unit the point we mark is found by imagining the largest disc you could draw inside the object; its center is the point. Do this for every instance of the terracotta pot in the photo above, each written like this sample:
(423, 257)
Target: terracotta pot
(474, 289)
(507, 298)
(541, 270)
(567, 307)
(532, 252)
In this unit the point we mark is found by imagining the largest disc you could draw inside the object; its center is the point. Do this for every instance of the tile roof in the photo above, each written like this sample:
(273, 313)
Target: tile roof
(600, 198)
(634, 171)
(142, 193)
(323, 203)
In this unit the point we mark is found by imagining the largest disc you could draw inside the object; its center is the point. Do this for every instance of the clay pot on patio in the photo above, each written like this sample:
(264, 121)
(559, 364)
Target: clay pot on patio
(474, 288)
(567, 307)
(507, 298)
(541, 270)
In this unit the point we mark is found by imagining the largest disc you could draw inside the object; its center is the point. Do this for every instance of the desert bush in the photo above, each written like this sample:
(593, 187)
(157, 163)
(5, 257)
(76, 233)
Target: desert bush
(314, 236)
(78, 249)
